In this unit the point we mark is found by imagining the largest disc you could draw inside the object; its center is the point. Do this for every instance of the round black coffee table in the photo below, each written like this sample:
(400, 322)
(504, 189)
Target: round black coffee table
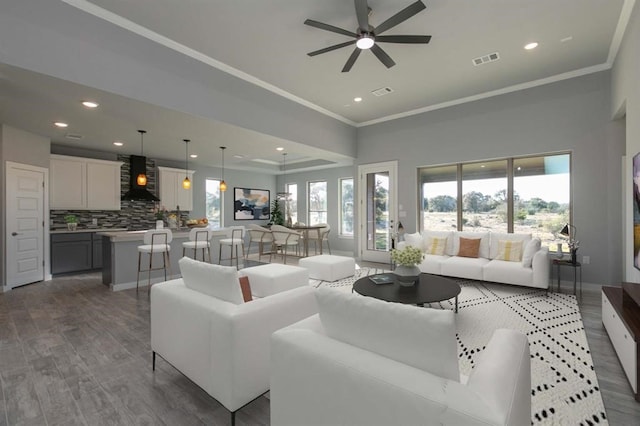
(428, 289)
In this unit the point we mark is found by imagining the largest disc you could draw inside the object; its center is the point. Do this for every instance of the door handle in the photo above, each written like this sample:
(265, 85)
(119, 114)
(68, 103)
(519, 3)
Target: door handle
(13, 234)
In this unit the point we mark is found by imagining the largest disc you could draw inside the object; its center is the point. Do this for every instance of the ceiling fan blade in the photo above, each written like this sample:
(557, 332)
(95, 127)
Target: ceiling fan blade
(351, 60)
(362, 12)
(330, 48)
(400, 17)
(328, 27)
(404, 39)
(382, 55)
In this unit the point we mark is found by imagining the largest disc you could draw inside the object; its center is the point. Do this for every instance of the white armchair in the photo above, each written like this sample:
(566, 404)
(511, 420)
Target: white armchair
(221, 346)
(370, 377)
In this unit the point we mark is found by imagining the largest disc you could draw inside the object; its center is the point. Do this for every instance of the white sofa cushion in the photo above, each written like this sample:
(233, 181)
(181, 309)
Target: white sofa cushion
(484, 242)
(464, 267)
(432, 264)
(273, 278)
(422, 338)
(496, 237)
(414, 240)
(426, 235)
(530, 249)
(501, 271)
(214, 280)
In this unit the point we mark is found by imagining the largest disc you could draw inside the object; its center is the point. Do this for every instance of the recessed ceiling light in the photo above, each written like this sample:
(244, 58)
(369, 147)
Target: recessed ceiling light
(60, 124)
(519, 168)
(90, 104)
(279, 148)
(193, 155)
(566, 39)
(238, 156)
(118, 143)
(357, 99)
(531, 46)
(482, 166)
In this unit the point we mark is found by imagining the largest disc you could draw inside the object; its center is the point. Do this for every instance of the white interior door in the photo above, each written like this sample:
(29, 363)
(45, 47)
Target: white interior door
(24, 225)
(377, 191)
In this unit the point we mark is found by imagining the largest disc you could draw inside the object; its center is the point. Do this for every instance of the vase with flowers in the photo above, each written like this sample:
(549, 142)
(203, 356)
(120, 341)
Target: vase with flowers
(160, 213)
(407, 260)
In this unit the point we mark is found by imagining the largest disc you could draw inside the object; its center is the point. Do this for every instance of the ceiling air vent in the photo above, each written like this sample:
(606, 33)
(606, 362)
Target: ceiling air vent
(491, 57)
(382, 91)
(73, 136)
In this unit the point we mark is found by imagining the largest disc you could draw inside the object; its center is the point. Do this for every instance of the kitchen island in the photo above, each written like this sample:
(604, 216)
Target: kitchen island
(120, 257)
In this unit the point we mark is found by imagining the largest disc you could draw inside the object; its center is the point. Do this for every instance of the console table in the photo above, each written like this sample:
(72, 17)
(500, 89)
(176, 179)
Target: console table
(621, 319)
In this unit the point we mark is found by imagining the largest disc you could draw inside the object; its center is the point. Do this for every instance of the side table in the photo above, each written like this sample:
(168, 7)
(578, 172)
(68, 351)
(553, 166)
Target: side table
(577, 266)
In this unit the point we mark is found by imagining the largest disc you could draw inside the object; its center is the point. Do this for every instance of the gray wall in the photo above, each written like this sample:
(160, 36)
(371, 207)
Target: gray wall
(22, 147)
(332, 176)
(571, 115)
(625, 106)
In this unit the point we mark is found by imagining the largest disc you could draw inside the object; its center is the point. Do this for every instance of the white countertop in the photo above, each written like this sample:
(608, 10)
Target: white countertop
(121, 236)
(81, 230)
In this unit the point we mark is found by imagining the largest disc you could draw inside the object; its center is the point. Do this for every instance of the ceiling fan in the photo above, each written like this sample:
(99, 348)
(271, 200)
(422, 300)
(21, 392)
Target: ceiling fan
(367, 37)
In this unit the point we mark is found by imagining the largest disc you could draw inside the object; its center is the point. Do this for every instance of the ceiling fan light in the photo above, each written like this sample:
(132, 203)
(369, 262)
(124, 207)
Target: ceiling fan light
(365, 42)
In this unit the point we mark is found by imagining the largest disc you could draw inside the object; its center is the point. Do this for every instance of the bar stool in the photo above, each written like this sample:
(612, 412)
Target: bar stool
(198, 239)
(235, 239)
(155, 241)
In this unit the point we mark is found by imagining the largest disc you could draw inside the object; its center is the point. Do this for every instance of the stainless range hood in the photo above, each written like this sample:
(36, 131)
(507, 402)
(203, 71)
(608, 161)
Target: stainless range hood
(138, 164)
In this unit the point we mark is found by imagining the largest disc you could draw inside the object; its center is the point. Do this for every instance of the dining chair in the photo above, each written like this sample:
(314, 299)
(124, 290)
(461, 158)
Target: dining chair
(260, 235)
(283, 238)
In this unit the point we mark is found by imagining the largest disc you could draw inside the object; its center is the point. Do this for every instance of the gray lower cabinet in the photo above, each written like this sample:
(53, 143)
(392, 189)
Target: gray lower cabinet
(96, 262)
(75, 252)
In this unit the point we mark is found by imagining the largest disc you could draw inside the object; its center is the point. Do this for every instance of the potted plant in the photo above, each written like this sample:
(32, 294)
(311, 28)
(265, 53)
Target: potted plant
(159, 213)
(72, 222)
(407, 261)
(277, 216)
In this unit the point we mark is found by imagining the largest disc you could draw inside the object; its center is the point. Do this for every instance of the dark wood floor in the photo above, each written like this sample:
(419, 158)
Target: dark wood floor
(73, 352)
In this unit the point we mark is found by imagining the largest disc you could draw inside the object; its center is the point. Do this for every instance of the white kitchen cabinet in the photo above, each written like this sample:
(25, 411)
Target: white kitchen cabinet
(84, 183)
(172, 194)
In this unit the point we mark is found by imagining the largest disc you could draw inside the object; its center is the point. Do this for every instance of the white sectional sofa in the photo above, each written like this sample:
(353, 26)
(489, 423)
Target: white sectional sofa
(363, 361)
(530, 268)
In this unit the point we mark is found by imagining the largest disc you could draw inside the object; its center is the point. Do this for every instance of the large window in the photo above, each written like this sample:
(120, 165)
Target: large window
(439, 198)
(317, 202)
(213, 203)
(524, 195)
(346, 207)
(292, 201)
(484, 196)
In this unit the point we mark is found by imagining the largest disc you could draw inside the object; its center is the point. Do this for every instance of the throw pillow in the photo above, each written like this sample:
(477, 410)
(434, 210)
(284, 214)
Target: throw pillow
(436, 246)
(530, 250)
(422, 338)
(214, 280)
(246, 289)
(511, 251)
(469, 247)
(413, 240)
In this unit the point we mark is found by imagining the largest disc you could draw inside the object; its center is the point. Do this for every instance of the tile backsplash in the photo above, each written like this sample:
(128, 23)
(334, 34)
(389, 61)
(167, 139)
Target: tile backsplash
(133, 215)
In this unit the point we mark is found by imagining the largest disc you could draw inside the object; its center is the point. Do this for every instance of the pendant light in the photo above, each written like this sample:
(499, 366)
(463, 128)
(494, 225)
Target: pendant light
(284, 195)
(141, 179)
(223, 184)
(186, 183)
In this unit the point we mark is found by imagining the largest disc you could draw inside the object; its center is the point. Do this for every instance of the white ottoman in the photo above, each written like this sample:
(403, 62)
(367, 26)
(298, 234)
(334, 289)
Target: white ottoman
(328, 267)
(273, 278)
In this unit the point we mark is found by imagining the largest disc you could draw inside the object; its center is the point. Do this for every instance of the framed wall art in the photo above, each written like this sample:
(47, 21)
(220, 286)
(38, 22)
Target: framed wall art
(251, 204)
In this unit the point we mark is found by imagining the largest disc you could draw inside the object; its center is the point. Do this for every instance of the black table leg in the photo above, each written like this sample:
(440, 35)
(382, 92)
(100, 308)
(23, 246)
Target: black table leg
(456, 304)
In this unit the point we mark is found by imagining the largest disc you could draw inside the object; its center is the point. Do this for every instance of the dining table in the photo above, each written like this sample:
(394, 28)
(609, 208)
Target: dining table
(305, 234)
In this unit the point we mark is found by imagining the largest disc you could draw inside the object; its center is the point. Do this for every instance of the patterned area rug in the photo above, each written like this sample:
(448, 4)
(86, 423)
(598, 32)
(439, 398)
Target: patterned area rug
(565, 389)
